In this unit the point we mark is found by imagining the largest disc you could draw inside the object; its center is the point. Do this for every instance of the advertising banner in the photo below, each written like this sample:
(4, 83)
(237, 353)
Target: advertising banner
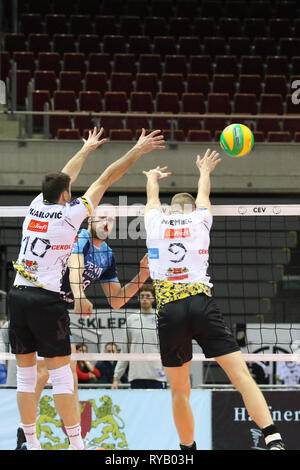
(233, 429)
(111, 419)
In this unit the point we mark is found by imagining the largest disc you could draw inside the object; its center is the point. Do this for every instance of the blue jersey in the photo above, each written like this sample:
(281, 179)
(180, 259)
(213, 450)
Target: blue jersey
(99, 264)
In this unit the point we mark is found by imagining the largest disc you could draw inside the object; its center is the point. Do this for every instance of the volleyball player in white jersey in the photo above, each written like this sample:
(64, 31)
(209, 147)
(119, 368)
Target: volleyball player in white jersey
(39, 320)
(178, 252)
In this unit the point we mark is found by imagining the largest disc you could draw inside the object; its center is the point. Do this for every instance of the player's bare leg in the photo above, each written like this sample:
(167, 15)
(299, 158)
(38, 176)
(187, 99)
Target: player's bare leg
(179, 379)
(238, 373)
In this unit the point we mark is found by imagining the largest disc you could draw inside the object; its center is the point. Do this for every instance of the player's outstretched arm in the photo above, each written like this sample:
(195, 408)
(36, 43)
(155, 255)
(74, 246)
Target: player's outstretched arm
(145, 144)
(117, 295)
(206, 166)
(73, 167)
(82, 306)
(152, 187)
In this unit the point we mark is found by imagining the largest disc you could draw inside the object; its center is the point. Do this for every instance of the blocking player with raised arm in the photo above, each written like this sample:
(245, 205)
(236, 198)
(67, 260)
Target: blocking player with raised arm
(178, 251)
(39, 320)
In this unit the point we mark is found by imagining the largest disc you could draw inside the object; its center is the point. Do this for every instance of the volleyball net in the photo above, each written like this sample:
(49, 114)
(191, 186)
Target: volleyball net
(254, 264)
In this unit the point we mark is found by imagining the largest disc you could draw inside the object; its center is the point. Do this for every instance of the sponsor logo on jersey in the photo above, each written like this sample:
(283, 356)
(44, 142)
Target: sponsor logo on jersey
(177, 274)
(29, 264)
(203, 252)
(177, 233)
(176, 221)
(60, 247)
(178, 278)
(36, 226)
(153, 253)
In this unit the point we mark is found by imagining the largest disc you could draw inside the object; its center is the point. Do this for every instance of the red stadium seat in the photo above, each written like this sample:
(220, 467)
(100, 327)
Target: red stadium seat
(31, 23)
(113, 44)
(70, 81)
(187, 8)
(112, 8)
(189, 123)
(161, 122)
(5, 64)
(289, 46)
(239, 46)
(84, 122)
(125, 63)
(90, 101)
(259, 9)
(105, 25)
(179, 26)
(68, 134)
(45, 80)
(96, 81)
(252, 65)
(277, 65)
(88, 43)
(121, 82)
(224, 84)
(279, 137)
(219, 103)
(14, 42)
(292, 108)
(147, 82)
(295, 66)
(229, 27)
(134, 122)
(189, 45)
(39, 43)
(213, 8)
(250, 84)
(172, 82)
(255, 27)
(226, 64)
(150, 63)
(64, 43)
(141, 101)
(139, 45)
(116, 101)
(49, 61)
(198, 83)
(74, 62)
(59, 122)
(275, 84)
(120, 134)
(259, 136)
(270, 104)
(215, 45)
(167, 102)
(161, 7)
(279, 27)
(80, 24)
(164, 45)
(130, 26)
(99, 62)
(23, 78)
(245, 103)
(175, 64)
(201, 64)
(24, 60)
(55, 23)
(137, 7)
(64, 100)
(111, 122)
(199, 136)
(264, 46)
(178, 135)
(155, 26)
(39, 98)
(204, 26)
(193, 103)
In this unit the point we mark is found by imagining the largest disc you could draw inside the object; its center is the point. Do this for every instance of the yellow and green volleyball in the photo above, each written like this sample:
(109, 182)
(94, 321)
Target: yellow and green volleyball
(236, 140)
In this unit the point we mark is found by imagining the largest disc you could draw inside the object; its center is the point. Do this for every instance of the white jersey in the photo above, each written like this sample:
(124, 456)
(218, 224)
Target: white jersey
(178, 245)
(48, 234)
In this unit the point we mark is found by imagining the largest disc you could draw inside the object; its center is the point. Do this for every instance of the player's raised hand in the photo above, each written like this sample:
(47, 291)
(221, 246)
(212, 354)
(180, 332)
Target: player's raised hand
(209, 161)
(159, 172)
(93, 142)
(152, 141)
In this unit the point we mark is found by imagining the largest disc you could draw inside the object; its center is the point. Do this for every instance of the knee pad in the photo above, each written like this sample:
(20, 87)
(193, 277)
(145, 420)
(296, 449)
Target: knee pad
(26, 379)
(62, 380)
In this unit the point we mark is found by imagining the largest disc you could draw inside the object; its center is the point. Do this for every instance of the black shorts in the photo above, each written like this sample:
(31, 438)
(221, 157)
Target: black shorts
(196, 317)
(39, 322)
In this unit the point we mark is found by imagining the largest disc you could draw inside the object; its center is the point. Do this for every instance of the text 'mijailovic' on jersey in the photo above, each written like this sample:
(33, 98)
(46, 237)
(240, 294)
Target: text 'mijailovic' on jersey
(178, 245)
(48, 234)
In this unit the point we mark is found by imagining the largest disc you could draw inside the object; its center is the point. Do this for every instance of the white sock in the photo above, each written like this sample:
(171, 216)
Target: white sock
(74, 434)
(31, 437)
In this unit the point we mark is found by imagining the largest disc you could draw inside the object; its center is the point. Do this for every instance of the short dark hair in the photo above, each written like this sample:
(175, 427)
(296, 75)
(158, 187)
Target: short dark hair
(147, 288)
(54, 184)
